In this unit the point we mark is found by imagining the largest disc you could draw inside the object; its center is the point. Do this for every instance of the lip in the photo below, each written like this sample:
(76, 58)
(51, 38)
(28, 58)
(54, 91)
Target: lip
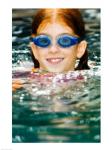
(54, 61)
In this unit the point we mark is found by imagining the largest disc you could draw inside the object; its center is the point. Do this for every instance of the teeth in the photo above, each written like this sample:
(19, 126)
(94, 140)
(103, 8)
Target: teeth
(54, 60)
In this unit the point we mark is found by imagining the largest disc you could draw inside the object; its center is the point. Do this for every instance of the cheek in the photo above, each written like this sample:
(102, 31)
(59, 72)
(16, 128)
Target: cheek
(41, 54)
(71, 53)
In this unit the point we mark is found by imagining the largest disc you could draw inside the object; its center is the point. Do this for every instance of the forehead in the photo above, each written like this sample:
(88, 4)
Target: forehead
(56, 27)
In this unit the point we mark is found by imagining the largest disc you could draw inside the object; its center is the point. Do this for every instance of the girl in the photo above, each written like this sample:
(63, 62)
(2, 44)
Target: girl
(58, 41)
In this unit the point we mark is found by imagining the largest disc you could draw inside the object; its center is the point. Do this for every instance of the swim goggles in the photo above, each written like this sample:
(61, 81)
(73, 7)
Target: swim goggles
(63, 41)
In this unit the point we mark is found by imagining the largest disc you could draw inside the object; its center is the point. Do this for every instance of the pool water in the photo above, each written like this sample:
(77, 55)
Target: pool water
(55, 107)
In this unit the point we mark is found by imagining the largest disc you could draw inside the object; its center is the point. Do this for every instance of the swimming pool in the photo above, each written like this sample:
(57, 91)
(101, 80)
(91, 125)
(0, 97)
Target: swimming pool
(50, 111)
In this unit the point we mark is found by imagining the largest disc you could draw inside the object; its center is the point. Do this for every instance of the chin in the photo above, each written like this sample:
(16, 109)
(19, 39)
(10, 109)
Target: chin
(56, 70)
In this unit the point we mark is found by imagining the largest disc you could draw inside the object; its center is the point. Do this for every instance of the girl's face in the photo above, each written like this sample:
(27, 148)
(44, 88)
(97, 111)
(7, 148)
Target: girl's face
(55, 58)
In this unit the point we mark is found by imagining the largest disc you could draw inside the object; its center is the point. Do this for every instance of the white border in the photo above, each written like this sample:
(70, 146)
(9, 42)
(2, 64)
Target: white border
(6, 67)
(55, 3)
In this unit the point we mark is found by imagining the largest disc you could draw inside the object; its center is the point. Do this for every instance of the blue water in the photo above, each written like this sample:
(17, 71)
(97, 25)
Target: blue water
(56, 108)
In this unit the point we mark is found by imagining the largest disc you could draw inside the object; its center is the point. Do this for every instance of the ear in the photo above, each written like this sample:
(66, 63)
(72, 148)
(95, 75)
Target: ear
(34, 49)
(81, 48)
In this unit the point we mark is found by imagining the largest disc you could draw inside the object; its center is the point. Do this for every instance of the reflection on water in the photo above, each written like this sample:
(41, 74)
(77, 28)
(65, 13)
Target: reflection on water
(55, 107)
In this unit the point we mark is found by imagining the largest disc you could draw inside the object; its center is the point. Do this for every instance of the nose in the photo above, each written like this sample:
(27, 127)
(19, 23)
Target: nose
(54, 48)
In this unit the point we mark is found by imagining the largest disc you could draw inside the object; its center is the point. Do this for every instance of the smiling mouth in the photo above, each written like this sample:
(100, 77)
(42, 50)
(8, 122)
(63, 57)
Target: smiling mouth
(54, 60)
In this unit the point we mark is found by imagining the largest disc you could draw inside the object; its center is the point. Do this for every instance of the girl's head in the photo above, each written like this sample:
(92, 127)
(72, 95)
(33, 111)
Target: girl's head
(58, 40)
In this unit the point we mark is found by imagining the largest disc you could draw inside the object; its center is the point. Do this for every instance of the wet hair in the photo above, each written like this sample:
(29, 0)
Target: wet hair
(73, 19)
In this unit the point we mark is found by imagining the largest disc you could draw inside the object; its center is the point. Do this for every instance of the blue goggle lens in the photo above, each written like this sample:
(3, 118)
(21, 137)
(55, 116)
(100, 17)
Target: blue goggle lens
(42, 41)
(67, 41)
(63, 41)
